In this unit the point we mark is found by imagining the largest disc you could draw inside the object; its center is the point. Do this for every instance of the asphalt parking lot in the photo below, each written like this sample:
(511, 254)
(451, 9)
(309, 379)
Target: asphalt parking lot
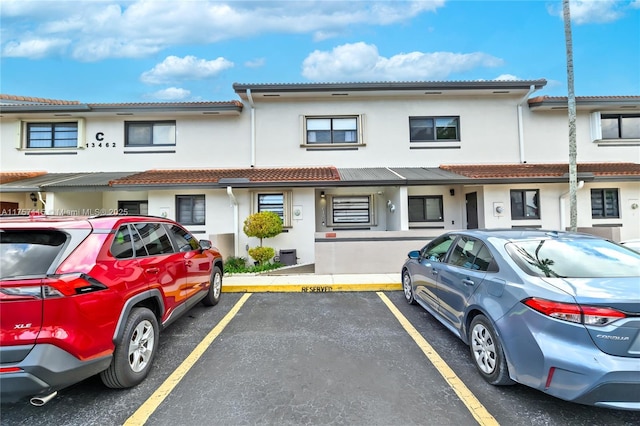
(355, 358)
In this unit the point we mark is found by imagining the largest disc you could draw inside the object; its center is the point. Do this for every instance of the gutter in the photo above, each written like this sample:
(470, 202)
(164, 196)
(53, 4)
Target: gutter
(253, 128)
(532, 89)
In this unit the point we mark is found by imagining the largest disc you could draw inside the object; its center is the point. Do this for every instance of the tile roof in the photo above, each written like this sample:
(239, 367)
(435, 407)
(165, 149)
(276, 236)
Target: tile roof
(214, 176)
(6, 177)
(480, 171)
(31, 100)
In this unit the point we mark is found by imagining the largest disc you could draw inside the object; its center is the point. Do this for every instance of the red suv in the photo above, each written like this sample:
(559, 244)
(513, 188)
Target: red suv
(86, 295)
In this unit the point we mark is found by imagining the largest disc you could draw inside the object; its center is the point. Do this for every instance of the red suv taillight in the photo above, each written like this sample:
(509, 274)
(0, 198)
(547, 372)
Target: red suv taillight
(587, 315)
(52, 287)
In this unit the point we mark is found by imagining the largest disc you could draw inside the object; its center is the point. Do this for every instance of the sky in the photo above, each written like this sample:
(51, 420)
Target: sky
(104, 51)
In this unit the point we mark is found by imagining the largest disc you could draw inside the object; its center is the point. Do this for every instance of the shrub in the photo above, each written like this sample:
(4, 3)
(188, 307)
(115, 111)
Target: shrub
(235, 264)
(262, 225)
(262, 254)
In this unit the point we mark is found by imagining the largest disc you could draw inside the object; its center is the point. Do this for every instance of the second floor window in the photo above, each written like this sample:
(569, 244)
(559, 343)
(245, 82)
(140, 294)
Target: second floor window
(434, 129)
(524, 204)
(426, 209)
(332, 130)
(52, 135)
(150, 133)
(604, 203)
(620, 126)
(190, 209)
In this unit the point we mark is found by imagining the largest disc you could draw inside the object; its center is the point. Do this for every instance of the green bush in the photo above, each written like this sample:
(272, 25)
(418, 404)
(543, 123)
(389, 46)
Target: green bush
(235, 264)
(262, 255)
(262, 225)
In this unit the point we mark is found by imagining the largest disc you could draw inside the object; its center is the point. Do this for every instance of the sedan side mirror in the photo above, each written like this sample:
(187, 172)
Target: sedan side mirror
(414, 254)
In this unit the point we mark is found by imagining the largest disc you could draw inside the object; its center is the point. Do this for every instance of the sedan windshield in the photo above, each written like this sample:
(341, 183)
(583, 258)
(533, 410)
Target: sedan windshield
(574, 258)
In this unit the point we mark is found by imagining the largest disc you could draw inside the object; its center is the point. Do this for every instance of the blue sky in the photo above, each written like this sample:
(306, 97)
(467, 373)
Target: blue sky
(103, 51)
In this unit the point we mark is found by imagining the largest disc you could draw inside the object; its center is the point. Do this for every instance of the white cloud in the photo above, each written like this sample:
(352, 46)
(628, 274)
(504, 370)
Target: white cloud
(170, 94)
(174, 68)
(506, 77)
(591, 11)
(361, 61)
(256, 63)
(129, 29)
(35, 48)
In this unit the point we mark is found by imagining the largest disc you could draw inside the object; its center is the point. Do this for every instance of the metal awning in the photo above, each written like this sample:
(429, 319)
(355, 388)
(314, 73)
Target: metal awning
(65, 182)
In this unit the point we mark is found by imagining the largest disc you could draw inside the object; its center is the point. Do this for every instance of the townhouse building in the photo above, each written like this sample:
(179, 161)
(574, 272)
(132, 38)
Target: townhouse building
(360, 173)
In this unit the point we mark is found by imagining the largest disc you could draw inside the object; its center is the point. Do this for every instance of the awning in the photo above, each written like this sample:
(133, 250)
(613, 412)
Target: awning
(65, 182)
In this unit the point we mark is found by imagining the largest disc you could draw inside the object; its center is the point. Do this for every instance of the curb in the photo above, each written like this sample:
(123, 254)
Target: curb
(308, 288)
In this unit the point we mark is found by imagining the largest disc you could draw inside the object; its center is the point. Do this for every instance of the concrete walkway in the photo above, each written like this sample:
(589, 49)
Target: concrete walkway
(309, 283)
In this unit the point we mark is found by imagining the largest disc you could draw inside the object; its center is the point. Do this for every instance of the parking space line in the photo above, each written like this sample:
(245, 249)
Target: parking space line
(143, 413)
(479, 412)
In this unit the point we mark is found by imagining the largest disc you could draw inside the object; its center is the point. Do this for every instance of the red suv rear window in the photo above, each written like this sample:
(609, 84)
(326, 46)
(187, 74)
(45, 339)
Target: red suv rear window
(29, 252)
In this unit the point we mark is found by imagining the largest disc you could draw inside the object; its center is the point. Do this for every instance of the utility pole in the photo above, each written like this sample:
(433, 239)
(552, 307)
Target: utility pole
(573, 168)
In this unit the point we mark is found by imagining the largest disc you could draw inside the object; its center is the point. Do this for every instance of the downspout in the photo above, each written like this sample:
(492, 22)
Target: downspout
(234, 203)
(44, 205)
(253, 128)
(563, 223)
(532, 89)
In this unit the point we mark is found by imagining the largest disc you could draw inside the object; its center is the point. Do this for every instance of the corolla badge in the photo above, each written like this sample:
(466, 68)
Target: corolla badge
(610, 337)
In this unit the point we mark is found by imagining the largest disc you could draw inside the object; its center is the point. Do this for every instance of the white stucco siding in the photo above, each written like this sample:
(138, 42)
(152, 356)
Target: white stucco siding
(547, 140)
(488, 132)
(201, 142)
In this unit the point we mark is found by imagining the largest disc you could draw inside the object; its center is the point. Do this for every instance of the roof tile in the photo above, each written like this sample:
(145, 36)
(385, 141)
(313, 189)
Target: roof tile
(159, 177)
(6, 177)
(479, 171)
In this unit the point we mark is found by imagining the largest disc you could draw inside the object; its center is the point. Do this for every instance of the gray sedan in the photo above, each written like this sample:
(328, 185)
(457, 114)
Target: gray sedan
(556, 311)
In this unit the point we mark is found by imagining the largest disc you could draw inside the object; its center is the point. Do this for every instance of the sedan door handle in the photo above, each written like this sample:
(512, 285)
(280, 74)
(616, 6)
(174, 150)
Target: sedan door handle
(152, 270)
(434, 272)
(468, 282)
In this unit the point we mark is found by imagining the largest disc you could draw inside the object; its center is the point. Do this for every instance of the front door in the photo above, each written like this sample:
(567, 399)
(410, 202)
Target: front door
(472, 210)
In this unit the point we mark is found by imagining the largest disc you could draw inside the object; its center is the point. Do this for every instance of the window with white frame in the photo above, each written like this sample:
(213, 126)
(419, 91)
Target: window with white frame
(426, 208)
(190, 209)
(604, 203)
(525, 204)
(620, 126)
(277, 202)
(150, 133)
(52, 135)
(434, 129)
(352, 210)
(331, 130)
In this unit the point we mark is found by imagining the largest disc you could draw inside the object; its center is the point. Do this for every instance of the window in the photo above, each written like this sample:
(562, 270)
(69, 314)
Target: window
(271, 203)
(430, 129)
(155, 238)
(471, 254)
(352, 210)
(620, 126)
(277, 202)
(146, 133)
(191, 209)
(332, 130)
(604, 203)
(426, 209)
(184, 240)
(436, 250)
(52, 135)
(122, 247)
(133, 207)
(524, 204)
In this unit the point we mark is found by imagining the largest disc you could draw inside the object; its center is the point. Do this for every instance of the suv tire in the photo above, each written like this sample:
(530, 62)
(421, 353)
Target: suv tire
(134, 352)
(215, 288)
